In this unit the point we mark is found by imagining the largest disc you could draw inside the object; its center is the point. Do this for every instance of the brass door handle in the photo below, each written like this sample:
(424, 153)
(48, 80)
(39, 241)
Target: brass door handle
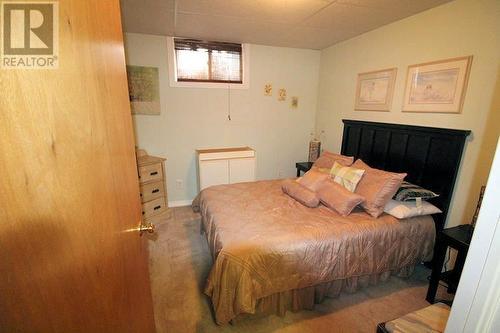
(149, 227)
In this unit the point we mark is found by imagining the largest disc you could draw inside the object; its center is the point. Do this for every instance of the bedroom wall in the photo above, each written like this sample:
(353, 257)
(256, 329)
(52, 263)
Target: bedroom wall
(459, 28)
(194, 118)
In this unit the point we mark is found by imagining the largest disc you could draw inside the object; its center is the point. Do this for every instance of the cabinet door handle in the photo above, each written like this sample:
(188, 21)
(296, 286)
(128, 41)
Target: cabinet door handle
(156, 190)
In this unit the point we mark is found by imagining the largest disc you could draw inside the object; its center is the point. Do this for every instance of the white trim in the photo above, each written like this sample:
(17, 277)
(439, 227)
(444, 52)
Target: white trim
(179, 203)
(172, 73)
(475, 307)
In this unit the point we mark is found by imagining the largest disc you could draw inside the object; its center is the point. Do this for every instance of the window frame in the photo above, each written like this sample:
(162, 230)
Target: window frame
(172, 71)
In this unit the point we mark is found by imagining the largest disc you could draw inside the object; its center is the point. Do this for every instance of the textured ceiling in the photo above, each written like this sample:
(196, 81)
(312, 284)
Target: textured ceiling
(313, 24)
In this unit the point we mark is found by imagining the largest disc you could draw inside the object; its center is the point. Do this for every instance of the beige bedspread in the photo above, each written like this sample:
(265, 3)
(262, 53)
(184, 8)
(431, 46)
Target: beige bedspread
(264, 242)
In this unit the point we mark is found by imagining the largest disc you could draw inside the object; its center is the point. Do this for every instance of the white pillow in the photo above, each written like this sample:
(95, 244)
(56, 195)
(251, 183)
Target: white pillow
(403, 210)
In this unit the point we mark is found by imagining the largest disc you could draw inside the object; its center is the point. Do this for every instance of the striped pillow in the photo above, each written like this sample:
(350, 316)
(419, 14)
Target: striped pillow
(409, 192)
(346, 176)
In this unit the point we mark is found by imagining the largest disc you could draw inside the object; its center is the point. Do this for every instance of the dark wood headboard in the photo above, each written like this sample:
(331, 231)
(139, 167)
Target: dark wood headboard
(431, 156)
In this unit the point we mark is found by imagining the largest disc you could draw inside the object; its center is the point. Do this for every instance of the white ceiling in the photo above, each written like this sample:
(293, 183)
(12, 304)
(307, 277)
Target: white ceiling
(313, 24)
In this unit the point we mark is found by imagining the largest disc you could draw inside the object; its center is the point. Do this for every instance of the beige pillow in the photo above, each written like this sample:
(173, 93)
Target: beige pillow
(327, 159)
(338, 198)
(404, 210)
(300, 193)
(348, 177)
(312, 179)
(377, 186)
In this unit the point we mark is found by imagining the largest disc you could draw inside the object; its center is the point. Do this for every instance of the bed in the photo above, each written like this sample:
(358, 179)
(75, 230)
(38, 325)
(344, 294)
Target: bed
(272, 254)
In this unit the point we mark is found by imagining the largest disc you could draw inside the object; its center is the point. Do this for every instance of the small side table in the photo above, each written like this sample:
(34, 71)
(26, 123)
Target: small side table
(303, 166)
(458, 238)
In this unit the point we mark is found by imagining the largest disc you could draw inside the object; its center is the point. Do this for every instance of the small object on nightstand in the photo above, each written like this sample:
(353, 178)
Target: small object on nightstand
(478, 207)
(303, 166)
(314, 150)
(152, 187)
(459, 238)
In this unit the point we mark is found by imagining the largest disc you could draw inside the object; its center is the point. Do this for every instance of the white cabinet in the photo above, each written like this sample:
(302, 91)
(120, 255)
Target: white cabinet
(213, 172)
(241, 170)
(225, 166)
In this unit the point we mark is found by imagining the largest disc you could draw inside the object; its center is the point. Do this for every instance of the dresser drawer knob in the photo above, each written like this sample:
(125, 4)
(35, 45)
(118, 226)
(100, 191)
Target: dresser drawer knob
(153, 173)
(157, 207)
(156, 190)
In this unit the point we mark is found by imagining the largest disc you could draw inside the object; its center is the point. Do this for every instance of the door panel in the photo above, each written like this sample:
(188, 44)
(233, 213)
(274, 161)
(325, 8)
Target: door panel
(70, 259)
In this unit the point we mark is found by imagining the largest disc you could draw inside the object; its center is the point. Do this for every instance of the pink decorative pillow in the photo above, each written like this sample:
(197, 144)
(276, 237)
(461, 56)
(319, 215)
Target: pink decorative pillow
(338, 198)
(327, 159)
(377, 186)
(313, 179)
(300, 193)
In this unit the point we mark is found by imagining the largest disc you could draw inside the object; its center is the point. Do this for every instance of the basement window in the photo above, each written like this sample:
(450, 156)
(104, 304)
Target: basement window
(206, 63)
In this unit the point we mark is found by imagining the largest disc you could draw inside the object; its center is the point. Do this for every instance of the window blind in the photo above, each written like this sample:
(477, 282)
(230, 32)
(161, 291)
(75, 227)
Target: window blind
(204, 61)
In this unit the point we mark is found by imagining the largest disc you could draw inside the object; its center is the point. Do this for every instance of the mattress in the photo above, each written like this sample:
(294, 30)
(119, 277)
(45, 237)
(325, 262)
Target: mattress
(263, 242)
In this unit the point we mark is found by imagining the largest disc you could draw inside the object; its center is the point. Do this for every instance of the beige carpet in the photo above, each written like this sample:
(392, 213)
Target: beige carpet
(180, 261)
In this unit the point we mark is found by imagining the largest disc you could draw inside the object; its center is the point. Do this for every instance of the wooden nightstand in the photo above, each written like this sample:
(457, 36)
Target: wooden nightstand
(303, 166)
(459, 238)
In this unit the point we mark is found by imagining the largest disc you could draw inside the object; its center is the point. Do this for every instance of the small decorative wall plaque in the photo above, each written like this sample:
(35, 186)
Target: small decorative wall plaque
(268, 90)
(282, 94)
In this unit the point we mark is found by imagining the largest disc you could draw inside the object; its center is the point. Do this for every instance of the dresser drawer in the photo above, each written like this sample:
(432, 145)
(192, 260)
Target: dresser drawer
(152, 191)
(153, 207)
(150, 172)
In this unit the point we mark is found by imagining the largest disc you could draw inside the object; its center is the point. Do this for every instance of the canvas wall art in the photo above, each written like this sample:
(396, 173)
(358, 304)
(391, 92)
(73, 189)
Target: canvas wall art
(437, 86)
(374, 90)
(144, 92)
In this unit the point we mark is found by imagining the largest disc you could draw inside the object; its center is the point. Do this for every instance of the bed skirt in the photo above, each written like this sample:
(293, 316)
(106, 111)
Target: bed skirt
(305, 298)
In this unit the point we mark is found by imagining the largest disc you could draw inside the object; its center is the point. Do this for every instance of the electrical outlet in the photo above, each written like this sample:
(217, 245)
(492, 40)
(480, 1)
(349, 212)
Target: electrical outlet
(280, 174)
(179, 183)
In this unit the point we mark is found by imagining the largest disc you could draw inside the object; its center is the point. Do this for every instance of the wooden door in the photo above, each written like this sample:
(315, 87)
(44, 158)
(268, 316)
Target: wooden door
(70, 259)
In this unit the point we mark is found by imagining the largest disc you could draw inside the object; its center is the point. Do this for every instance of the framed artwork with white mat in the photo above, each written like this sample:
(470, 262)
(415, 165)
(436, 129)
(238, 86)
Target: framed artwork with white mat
(437, 87)
(374, 90)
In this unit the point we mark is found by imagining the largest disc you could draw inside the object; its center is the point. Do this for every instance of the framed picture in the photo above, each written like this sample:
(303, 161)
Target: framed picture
(144, 91)
(374, 90)
(437, 86)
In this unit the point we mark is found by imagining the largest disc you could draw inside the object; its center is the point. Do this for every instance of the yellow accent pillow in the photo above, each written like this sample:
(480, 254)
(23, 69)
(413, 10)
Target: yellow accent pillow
(348, 177)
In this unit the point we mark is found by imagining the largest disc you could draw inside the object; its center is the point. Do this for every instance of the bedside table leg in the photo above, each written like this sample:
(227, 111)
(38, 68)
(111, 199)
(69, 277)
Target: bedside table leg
(457, 270)
(436, 271)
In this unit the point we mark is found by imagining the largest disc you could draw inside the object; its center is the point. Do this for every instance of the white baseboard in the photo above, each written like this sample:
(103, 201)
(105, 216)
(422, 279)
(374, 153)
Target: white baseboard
(179, 203)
